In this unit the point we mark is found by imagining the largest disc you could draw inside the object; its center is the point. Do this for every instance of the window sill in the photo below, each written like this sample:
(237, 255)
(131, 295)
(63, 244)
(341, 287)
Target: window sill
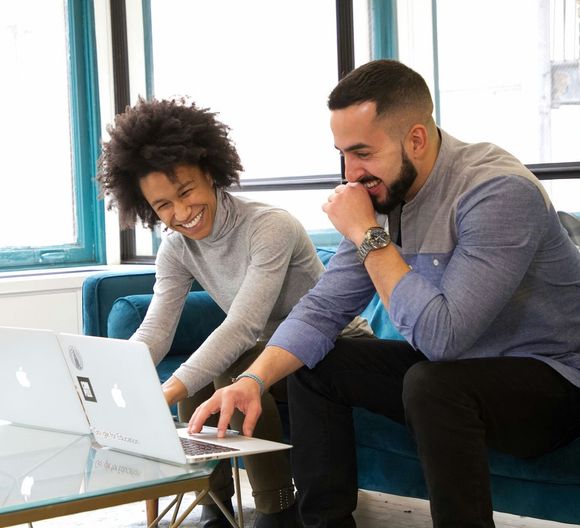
(16, 282)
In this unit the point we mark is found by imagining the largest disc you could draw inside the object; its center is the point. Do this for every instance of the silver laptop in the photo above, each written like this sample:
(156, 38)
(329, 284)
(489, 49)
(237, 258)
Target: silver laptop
(120, 391)
(36, 389)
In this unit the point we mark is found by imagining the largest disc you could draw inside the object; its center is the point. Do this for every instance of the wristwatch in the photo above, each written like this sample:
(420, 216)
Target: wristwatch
(375, 238)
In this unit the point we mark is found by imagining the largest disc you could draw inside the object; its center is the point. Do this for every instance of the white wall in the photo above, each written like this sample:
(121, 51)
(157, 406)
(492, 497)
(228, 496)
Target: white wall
(50, 300)
(42, 301)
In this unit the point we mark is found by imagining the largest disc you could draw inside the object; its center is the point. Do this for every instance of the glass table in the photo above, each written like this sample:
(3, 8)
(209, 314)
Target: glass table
(45, 474)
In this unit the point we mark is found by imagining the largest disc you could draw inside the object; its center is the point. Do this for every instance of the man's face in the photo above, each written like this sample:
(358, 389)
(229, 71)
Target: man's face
(186, 205)
(371, 156)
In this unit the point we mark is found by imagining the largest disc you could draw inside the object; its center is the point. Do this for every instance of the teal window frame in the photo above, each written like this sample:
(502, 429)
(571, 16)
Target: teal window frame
(89, 248)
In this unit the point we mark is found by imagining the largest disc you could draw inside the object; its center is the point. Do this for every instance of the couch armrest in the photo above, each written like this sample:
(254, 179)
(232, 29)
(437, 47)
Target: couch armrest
(199, 318)
(102, 289)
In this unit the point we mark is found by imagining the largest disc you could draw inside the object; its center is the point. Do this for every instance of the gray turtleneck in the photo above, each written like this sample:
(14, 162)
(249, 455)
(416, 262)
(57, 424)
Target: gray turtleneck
(256, 264)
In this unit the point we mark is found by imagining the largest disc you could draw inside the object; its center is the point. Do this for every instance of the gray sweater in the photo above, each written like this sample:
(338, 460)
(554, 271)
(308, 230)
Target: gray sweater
(256, 264)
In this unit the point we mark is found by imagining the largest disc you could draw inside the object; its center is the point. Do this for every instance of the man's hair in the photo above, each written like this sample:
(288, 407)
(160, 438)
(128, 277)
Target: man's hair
(395, 88)
(158, 136)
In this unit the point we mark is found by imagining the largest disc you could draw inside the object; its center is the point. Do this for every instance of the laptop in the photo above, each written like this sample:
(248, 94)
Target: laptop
(121, 393)
(36, 389)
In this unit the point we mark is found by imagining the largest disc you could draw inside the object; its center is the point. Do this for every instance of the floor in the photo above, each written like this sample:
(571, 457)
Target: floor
(375, 510)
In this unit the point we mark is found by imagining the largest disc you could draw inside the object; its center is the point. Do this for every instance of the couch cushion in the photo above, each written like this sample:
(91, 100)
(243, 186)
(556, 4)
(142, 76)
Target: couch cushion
(375, 312)
(201, 315)
(559, 467)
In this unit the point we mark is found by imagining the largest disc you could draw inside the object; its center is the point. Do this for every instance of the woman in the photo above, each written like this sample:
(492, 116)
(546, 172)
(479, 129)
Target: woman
(171, 162)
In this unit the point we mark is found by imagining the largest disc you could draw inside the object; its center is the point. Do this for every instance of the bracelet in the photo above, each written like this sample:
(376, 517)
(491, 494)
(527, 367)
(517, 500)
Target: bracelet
(255, 377)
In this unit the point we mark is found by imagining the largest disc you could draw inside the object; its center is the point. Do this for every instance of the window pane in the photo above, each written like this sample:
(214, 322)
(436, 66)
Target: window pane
(35, 138)
(266, 67)
(303, 204)
(501, 88)
(564, 194)
(519, 88)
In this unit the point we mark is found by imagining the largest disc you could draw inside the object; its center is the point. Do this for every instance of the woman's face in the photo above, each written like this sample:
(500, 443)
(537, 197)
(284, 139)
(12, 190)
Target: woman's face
(186, 205)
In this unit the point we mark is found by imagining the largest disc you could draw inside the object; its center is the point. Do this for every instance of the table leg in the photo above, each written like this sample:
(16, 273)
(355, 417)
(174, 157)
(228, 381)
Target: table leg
(184, 515)
(238, 492)
(152, 509)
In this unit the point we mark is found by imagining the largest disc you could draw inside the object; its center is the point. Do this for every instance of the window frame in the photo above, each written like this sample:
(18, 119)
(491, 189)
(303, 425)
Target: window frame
(89, 248)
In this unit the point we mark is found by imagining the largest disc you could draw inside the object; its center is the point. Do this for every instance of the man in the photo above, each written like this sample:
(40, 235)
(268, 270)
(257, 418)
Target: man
(482, 282)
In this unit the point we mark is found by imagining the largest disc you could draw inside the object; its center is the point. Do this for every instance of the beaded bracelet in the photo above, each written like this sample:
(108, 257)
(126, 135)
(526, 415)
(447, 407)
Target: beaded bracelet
(255, 377)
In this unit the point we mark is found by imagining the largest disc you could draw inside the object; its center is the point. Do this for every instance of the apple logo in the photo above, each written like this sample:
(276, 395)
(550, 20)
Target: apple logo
(22, 378)
(26, 486)
(117, 394)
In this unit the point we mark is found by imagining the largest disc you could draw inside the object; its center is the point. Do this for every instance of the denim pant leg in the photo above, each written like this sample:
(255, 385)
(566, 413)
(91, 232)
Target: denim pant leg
(358, 372)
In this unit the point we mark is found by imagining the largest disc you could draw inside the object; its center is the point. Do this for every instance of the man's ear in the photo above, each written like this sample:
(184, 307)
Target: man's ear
(417, 141)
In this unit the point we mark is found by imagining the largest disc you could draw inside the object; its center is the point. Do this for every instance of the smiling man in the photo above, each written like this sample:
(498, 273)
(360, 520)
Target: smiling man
(172, 162)
(469, 257)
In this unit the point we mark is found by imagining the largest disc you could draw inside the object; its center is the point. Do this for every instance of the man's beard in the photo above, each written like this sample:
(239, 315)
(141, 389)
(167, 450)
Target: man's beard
(397, 191)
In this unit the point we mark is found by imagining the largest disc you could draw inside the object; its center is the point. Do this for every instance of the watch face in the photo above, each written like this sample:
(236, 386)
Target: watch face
(378, 237)
(375, 238)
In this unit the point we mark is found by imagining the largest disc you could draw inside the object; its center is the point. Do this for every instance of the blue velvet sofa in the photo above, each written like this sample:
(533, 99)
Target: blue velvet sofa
(548, 487)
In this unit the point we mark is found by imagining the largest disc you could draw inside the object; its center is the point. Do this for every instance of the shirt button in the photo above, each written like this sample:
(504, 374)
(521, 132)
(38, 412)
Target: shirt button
(435, 262)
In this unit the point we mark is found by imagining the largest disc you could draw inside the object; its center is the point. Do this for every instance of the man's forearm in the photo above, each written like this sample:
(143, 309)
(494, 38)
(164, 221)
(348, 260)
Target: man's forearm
(273, 364)
(386, 268)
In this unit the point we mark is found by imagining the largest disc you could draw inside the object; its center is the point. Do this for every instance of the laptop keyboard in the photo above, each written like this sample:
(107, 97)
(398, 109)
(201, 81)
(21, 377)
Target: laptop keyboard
(195, 447)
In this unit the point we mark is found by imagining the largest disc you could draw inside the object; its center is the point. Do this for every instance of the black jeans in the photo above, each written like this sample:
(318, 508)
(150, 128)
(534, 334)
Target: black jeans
(455, 410)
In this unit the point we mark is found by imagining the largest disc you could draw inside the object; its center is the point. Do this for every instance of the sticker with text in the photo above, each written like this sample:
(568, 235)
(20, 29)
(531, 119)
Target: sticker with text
(87, 389)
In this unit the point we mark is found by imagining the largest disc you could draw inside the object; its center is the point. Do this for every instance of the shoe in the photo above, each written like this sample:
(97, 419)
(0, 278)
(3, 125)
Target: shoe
(213, 517)
(284, 519)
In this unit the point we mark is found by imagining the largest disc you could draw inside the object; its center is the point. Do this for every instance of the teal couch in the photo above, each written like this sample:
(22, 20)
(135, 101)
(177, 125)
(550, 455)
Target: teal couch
(548, 487)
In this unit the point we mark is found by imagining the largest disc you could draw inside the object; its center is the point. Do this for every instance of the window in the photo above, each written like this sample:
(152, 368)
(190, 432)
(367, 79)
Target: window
(496, 84)
(267, 69)
(507, 73)
(267, 80)
(50, 214)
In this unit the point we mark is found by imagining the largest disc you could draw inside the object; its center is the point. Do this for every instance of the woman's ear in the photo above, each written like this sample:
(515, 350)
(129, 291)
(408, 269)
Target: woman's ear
(210, 180)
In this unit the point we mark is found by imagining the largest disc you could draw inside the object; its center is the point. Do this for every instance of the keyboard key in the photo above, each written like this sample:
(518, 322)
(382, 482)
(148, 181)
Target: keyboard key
(197, 447)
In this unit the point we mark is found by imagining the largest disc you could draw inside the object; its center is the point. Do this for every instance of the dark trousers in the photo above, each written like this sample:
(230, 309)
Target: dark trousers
(455, 410)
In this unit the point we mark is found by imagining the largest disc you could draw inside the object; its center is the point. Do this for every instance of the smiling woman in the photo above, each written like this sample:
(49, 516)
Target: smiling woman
(186, 204)
(172, 162)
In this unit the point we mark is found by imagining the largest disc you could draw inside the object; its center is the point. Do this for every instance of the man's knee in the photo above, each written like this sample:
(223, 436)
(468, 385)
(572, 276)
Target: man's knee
(424, 383)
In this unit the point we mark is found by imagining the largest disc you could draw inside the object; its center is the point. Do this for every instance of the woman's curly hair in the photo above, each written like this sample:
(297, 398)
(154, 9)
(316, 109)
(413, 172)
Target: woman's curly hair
(158, 136)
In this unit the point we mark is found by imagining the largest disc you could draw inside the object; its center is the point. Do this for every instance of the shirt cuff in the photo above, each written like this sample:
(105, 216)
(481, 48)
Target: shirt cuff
(302, 340)
(408, 300)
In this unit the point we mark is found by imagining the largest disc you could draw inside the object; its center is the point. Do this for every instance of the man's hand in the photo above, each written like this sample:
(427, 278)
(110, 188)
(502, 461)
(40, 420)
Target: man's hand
(174, 391)
(243, 395)
(351, 211)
